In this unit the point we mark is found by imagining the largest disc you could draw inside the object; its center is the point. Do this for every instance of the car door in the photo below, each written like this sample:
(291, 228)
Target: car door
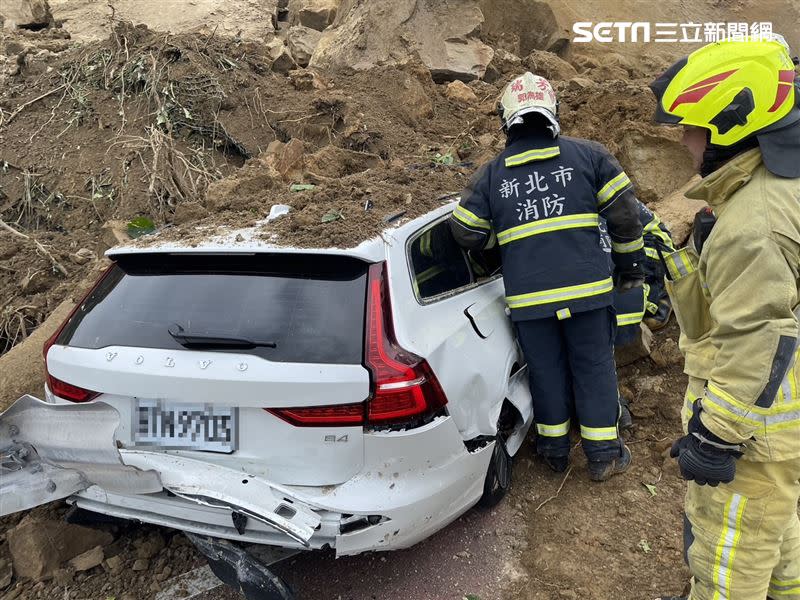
(453, 313)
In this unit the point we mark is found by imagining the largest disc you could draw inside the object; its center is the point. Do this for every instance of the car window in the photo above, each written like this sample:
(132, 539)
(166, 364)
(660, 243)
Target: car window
(439, 265)
(304, 308)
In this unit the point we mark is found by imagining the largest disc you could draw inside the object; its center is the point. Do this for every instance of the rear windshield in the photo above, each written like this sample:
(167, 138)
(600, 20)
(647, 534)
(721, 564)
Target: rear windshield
(310, 307)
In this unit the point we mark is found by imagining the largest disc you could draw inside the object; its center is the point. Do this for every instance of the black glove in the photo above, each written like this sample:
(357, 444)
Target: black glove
(704, 457)
(629, 277)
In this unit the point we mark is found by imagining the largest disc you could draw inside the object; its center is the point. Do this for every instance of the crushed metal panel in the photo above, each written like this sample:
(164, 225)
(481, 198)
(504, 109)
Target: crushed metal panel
(49, 452)
(217, 486)
(519, 394)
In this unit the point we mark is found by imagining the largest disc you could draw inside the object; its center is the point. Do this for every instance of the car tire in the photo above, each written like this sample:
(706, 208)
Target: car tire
(498, 476)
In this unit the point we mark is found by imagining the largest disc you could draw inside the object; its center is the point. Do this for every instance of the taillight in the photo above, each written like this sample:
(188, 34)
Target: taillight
(404, 387)
(336, 415)
(62, 389)
(70, 392)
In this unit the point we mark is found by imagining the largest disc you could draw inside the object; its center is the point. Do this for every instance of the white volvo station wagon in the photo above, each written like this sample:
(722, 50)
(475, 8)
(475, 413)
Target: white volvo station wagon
(356, 399)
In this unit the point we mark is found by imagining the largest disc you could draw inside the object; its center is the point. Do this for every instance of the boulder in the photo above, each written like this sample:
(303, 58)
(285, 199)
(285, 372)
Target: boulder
(678, 211)
(316, 14)
(459, 92)
(442, 33)
(535, 24)
(28, 14)
(281, 59)
(655, 160)
(301, 42)
(550, 66)
(39, 547)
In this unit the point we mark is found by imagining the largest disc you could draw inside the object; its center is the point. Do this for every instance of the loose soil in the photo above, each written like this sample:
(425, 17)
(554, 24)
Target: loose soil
(191, 130)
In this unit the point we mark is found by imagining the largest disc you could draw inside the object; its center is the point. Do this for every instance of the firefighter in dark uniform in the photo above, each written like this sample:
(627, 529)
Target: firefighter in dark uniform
(543, 198)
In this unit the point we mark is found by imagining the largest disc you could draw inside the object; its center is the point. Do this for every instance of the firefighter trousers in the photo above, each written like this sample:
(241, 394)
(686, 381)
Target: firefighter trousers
(742, 539)
(572, 373)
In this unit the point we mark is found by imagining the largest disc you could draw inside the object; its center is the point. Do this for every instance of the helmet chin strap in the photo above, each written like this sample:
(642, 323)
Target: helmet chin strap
(716, 156)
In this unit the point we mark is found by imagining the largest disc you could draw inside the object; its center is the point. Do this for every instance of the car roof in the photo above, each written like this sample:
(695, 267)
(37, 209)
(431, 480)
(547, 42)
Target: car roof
(250, 240)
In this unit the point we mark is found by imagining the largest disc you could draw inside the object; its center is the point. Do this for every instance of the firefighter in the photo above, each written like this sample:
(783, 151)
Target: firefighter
(542, 198)
(735, 294)
(651, 305)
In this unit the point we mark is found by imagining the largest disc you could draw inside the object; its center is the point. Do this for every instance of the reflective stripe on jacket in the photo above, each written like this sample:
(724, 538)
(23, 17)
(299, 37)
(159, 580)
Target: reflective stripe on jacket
(736, 304)
(543, 198)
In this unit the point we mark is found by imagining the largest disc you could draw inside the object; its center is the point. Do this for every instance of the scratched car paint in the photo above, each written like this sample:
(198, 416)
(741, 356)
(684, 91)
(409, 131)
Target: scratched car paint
(371, 395)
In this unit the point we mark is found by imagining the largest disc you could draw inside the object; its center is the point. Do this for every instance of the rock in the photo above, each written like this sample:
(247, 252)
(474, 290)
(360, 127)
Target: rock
(549, 65)
(307, 79)
(639, 348)
(302, 42)
(114, 234)
(140, 564)
(27, 14)
(667, 354)
(335, 162)
(677, 211)
(281, 59)
(316, 14)
(443, 34)
(487, 140)
(82, 256)
(536, 24)
(650, 383)
(6, 573)
(656, 162)
(462, 59)
(417, 105)
(39, 547)
(149, 546)
(287, 159)
(459, 92)
(88, 560)
(114, 563)
(577, 84)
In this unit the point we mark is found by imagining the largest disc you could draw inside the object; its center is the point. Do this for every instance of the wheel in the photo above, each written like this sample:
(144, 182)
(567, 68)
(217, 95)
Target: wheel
(498, 476)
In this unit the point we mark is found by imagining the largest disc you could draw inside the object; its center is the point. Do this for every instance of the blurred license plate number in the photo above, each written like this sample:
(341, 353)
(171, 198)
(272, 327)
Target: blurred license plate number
(182, 426)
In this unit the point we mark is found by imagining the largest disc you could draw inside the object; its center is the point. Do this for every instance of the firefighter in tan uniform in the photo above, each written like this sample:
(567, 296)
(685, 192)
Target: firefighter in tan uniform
(735, 295)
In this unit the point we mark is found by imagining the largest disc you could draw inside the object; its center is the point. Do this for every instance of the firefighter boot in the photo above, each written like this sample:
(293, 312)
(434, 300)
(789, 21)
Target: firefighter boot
(625, 419)
(603, 470)
(556, 463)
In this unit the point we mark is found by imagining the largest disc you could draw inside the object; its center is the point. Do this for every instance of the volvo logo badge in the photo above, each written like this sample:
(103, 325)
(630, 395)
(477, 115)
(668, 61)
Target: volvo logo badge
(139, 359)
(242, 366)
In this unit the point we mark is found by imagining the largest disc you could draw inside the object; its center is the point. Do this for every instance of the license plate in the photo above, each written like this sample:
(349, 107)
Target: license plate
(180, 426)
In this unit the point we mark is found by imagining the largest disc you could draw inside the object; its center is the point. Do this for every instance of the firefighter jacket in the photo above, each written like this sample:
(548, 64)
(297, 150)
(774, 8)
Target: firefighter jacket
(737, 305)
(543, 198)
(632, 305)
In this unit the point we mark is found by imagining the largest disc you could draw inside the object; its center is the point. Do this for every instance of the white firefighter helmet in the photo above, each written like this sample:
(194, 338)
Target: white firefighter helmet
(525, 94)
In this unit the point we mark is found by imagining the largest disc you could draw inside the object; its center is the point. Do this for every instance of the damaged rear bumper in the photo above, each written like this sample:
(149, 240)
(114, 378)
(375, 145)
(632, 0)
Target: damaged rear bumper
(413, 483)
